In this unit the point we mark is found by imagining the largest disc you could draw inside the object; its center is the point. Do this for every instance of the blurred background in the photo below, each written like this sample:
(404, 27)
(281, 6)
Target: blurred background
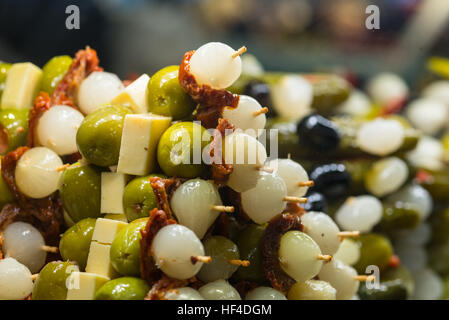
(295, 35)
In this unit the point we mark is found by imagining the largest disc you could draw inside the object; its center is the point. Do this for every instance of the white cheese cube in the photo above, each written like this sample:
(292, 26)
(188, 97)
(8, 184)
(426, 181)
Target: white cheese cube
(21, 86)
(134, 95)
(98, 260)
(118, 217)
(83, 285)
(112, 188)
(141, 134)
(106, 229)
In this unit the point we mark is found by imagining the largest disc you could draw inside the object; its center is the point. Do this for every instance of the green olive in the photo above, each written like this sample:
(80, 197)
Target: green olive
(176, 150)
(75, 242)
(80, 191)
(5, 194)
(404, 275)
(446, 289)
(437, 184)
(99, 135)
(287, 138)
(439, 258)
(53, 72)
(249, 243)
(440, 227)
(13, 129)
(399, 215)
(329, 91)
(4, 67)
(387, 290)
(125, 249)
(51, 284)
(374, 250)
(166, 96)
(221, 250)
(126, 288)
(139, 198)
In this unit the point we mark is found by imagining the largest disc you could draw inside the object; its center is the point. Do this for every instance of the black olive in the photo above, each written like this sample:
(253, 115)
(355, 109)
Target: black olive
(315, 202)
(331, 179)
(261, 92)
(318, 133)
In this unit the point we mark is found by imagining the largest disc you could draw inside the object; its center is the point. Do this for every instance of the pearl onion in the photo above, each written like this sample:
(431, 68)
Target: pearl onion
(323, 230)
(24, 242)
(413, 257)
(57, 129)
(341, 277)
(251, 66)
(292, 173)
(357, 104)
(15, 280)
(192, 204)
(36, 172)
(298, 256)
(213, 64)
(438, 90)
(428, 115)
(417, 196)
(243, 116)
(359, 213)
(428, 285)
(428, 154)
(348, 252)
(312, 290)
(265, 200)
(265, 293)
(380, 136)
(386, 176)
(172, 247)
(219, 290)
(240, 148)
(387, 87)
(246, 154)
(420, 236)
(292, 97)
(184, 293)
(98, 89)
(243, 177)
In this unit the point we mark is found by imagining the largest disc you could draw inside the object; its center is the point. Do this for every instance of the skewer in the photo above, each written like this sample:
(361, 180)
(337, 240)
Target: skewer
(63, 167)
(324, 257)
(348, 234)
(239, 52)
(223, 208)
(203, 259)
(308, 183)
(265, 169)
(238, 262)
(364, 278)
(260, 111)
(34, 276)
(295, 199)
(50, 249)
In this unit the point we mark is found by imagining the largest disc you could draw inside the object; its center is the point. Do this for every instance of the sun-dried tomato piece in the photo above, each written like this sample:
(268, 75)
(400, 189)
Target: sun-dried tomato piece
(220, 171)
(85, 62)
(45, 213)
(271, 239)
(163, 190)
(203, 94)
(148, 269)
(245, 286)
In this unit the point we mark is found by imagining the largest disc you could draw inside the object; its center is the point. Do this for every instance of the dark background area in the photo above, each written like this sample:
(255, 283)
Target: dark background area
(294, 35)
